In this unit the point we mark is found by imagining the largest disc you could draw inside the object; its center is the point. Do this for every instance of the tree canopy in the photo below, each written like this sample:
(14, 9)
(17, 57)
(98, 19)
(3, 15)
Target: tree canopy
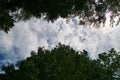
(15, 10)
(64, 63)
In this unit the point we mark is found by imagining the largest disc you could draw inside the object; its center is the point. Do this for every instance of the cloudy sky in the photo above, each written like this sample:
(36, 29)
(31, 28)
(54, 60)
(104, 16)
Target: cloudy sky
(27, 36)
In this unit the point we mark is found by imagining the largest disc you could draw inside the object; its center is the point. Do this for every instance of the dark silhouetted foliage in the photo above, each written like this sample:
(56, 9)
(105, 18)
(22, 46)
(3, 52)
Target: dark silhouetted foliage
(64, 63)
(11, 10)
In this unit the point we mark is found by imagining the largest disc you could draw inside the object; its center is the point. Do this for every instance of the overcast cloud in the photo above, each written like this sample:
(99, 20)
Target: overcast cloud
(27, 36)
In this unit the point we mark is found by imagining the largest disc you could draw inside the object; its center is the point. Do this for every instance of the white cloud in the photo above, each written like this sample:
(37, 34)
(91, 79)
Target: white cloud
(29, 35)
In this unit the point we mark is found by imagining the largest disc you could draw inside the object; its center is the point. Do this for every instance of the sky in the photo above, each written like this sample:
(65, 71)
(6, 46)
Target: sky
(27, 36)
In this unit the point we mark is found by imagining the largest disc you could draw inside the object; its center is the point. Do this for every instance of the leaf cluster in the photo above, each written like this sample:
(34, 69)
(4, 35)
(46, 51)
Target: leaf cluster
(11, 10)
(64, 63)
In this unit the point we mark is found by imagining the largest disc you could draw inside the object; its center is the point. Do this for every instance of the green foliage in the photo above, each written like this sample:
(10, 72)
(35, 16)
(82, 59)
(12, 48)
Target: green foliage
(64, 63)
(111, 63)
(52, 9)
(6, 21)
